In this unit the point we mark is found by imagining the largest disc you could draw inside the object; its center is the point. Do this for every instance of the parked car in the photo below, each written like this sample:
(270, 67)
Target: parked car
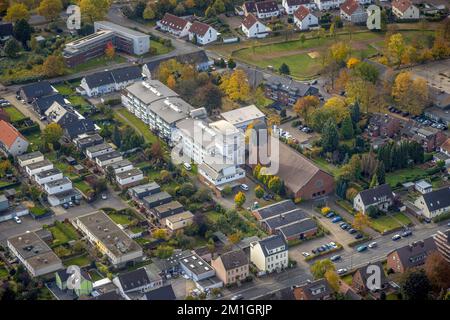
(17, 220)
(345, 226)
(358, 236)
(373, 245)
(187, 166)
(332, 244)
(352, 231)
(336, 219)
(330, 215)
(305, 254)
(406, 233)
(320, 249)
(314, 251)
(65, 205)
(396, 237)
(104, 196)
(335, 258)
(361, 248)
(341, 271)
(237, 297)
(244, 187)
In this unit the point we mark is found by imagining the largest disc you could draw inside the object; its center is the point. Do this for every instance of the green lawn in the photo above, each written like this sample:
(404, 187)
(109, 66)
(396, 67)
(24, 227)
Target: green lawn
(160, 48)
(80, 261)
(95, 63)
(58, 235)
(82, 186)
(144, 130)
(324, 165)
(63, 233)
(390, 222)
(64, 89)
(14, 114)
(404, 175)
(120, 218)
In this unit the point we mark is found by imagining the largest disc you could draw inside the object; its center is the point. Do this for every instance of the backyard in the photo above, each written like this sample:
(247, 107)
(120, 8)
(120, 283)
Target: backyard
(14, 114)
(405, 175)
(62, 233)
(80, 261)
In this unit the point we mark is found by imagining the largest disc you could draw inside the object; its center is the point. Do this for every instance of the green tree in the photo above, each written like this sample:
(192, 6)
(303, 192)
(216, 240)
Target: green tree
(319, 268)
(94, 10)
(330, 136)
(50, 9)
(347, 128)
(415, 285)
(259, 191)
(22, 31)
(12, 48)
(284, 69)
(52, 133)
(381, 173)
(275, 185)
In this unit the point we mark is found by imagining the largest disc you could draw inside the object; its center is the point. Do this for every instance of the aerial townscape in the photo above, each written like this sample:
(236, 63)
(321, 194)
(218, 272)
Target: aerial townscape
(224, 150)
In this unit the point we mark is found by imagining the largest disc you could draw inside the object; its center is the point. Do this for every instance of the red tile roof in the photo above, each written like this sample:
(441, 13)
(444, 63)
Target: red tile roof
(8, 134)
(266, 6)
(173, 22)
(350, 6)
(249, 21)
(401, 5)
(301, 13)
(199, 28)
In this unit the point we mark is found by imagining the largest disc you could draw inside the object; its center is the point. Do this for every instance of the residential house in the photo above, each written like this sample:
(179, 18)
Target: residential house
(12, 142)
(429, 138)
(360, 280)
(352, 11)
(7, 211)
(383, 126)
(6, 31)
(434, 203)
(162, 293)
(166, 210)
(29, 158)
(410, 256)
(58, 186)
(381, 197)
(38, 167)
(324, 5)
(111, 240)
(120, 166)
(442, 239)
(249, 7)
(218, 175)
(48, 176)
(157, 199)
(177, 26)
(196, 268)
(179, 220)
(84, 286)
(98, 150)
(67, 196)
(404, 9)
(137, 281)
(241, 118)
(109, 158)
(129, 178)
(35, 255)
(252, 27)
(270, 254)
(202, 33)
(231, 267)
(423, 187)
(304, 19)
(302, 178)
(267, 9)
(292, 225)
(290, 6)
(286, 90)
(314, 290)
(108, 81)
(274, 209)
(445, 147)
(144, 190)
(31, 92)
(41, 105)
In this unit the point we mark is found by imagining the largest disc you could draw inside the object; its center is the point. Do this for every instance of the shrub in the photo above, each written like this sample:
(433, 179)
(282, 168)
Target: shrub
(325, 210)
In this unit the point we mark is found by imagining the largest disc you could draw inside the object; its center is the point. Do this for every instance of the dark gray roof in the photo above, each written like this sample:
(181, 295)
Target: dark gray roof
(286, 218)
(157, 198)
(133, 279)
(145, 189)
(316, 290)
(99, 79)
(291, 86)
(6, 29)
(272, 242)
(163, 293)
(234, 259)
(37, 90)
(74, 127)
(111, 295)
(42, 104)
(109, 156)
(438, 199)
(276, 209)
(414, 254)
(371, 196)
(298, 227)
(197, 57)
(126, 74)
(363, 271)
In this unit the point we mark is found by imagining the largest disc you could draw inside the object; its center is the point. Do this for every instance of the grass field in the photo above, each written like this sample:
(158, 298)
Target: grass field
(63, 233)
(14, 114)
(390, 222)
(82, 186)
(160, 48)
(80, 261)
(119, 218)
(95, 63)
(144, 130)
(404, 175)
(295, 52)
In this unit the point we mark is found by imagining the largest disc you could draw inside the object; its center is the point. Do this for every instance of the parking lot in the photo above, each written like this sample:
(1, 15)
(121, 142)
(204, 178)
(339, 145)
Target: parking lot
(300, 136)
(437, 74)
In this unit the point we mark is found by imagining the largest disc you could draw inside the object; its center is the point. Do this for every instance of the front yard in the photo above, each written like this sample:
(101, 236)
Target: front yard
(14, 114)
(390, 222)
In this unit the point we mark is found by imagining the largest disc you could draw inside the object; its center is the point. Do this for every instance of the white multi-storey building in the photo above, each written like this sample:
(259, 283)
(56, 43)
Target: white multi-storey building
(270, 254)
(328, 4)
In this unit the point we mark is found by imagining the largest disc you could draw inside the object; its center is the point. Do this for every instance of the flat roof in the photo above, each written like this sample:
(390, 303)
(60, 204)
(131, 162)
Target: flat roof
(130, 173)
(171, 109)
(115, 27)
(145, 187)
(244, 114)
(180, 216)
(108, 156)
(34, 250)
(172, 205)
(39, 164)
(29, 156)
(98, 147)
(48, 173)
(109, 234)
(157, 196)
(196, 264)
(149, 91)
(59, 182)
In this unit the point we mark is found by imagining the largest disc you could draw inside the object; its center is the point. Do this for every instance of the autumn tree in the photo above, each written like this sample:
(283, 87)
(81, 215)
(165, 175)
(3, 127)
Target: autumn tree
(259, 191)
(94, 10)
(52, 133)
(50, 9)
(16, 12)
(159, 234)
(275, 185)
(110, 51)
(415, 285)
(360, 221)
(333, 279)
(54, 66)
(149, 12)
(12, 48)
(239, 199)
(437, 270)
(319, 268)
(395, 48)
(235, 85)
(410, 94)
(305, 105)
(352, 62)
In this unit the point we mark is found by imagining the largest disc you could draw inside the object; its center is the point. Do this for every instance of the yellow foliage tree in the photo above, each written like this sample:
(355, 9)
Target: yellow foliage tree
(236, 86)
(410, 95)
(352, 62)
(239, 199)
(304, 105)
(17, 11)
(171, 82)
(50, 9)
(54, 66)
(160, 234)
(333, 279)
(361, 220)
(94, 10)
(338, 106)
(395, 48)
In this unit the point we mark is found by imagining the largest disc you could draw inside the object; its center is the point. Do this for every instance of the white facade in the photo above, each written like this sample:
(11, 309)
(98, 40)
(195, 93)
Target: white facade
(95, 91)
(58, 186)
(203, 39)
(257, 30)
(307, 22)
(328, 4)
(57, 175)
(32, 169)
(276, 259)
(95, 151)
(412, 12)
(217, 175)
(28, 159)
(291, 8)
(129, 177)
(109, 161)
(178, 32)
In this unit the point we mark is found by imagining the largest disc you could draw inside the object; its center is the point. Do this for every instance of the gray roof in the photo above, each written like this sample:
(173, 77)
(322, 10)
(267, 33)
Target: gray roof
(147, 188)
(234, 259)
(414, 254)
(149, 91)
(272, 242)
(59, 182)
(163, 293)
(130, 173)
(286, 218)
(48, 173)
(316, 290)
(120, 164)
(298, 227)
(108, 156)
(29, 156)
(43, 103)
(99, 79)
(195, 264)
(98, 147)
(157, 197)
(438, 199)
(291, 86)
(37, 89)
(276, 209)
(133, 279)
(371, 196)
(39, 164)
(244, 114)
(171, 110)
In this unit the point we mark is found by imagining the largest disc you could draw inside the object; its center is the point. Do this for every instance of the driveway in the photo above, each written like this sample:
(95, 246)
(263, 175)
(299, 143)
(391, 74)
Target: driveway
(25, 109)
